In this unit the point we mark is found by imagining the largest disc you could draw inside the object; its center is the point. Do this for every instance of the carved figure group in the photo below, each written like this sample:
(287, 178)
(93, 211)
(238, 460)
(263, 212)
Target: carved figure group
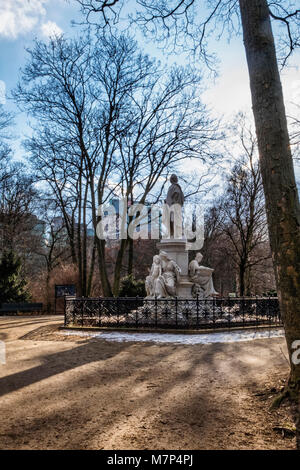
(163, 277)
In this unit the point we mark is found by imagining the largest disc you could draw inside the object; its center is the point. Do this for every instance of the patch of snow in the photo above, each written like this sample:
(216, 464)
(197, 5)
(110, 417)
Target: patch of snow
(224, 337)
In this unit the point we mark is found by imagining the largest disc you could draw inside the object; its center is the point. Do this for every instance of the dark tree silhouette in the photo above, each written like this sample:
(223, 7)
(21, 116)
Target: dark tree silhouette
(12, 284)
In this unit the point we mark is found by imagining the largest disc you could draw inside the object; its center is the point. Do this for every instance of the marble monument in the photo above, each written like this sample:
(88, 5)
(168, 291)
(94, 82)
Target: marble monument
(171, 274)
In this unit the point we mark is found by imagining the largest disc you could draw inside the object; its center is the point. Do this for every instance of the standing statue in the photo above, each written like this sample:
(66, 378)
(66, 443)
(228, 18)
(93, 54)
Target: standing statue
(202, 278)
(155, 273)
(163, 277)
(172, 211)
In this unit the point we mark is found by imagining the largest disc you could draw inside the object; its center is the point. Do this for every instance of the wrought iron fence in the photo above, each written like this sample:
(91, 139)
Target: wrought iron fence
(172, 313)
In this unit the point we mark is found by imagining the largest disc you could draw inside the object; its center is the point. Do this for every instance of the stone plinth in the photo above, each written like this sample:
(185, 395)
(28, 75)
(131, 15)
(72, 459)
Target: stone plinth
(177, 249)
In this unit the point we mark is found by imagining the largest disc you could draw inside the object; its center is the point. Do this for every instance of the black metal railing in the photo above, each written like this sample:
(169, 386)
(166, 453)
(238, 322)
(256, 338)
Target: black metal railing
(169, 313)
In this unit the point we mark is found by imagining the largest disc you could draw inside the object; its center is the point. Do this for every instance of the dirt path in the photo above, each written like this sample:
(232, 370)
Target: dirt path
(71, 393)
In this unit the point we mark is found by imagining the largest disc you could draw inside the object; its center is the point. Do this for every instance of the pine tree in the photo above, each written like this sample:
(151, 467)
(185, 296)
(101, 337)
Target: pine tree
(12, 284)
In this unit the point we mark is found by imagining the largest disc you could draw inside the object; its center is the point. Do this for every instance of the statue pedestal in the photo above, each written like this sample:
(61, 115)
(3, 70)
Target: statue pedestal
(177, 249)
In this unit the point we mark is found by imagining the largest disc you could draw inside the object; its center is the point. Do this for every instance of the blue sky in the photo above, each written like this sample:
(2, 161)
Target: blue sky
(23, 20)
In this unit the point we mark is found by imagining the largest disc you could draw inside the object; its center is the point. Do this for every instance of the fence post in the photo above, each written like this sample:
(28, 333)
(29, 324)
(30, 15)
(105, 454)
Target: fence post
(155, 304)
(197, 310)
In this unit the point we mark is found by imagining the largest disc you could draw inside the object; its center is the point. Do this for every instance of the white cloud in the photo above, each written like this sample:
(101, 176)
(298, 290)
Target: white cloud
(231, 93)
(20, 16)
(51, 29)
(291, 91)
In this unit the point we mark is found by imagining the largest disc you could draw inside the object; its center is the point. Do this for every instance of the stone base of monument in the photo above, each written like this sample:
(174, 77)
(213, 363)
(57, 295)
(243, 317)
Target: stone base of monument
(184, 288)
(178, 251)
(170, 312)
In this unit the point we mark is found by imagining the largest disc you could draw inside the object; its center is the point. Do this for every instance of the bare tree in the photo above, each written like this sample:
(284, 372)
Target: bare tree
(65, 148)
(17, 203)
(110, 121)
(236, 227)
(170, 126)
(54, 247)
(244, 221)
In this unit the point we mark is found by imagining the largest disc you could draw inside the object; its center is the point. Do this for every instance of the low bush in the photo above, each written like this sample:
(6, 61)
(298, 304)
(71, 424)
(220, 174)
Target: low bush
(131, 287)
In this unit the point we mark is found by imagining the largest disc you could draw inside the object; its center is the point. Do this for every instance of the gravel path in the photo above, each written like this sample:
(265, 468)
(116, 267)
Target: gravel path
(72, 392)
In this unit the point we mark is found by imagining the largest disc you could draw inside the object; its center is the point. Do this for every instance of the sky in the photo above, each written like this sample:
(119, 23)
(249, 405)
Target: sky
(23, 20)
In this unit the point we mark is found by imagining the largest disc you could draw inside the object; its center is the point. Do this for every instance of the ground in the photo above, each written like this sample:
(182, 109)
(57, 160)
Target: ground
(62, 392)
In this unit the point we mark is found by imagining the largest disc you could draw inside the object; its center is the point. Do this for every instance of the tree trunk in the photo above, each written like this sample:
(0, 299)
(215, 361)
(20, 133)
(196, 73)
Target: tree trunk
(84, 243)
(248, 282)
(282, 202)
(118, 267)
(130, 257)
(48, 295)
(242, 272)
(79, 241)
(106, 288)
(100, 244)
(91, 271)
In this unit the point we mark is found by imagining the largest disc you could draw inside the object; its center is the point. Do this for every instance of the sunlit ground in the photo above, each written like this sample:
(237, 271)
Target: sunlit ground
(72, 392)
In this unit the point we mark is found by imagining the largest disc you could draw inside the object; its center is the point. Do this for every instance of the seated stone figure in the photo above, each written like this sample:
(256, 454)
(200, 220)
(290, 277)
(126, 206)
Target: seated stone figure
(202, 278)
(167, 282)
(163, 277)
